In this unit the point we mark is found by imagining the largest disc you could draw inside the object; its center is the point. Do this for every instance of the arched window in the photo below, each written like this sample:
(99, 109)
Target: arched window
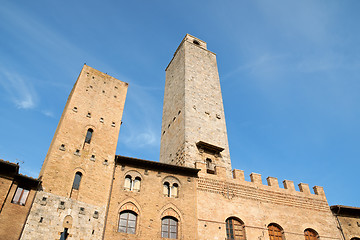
(275, 232)
(127, 183)
(235, 229)
(166, 189)
(355, 238)
(127, 222)
(77, 180)
(174, 190)
(311, 234)
(132, 185)
(136, 184)
(169, 227)
(89, 135)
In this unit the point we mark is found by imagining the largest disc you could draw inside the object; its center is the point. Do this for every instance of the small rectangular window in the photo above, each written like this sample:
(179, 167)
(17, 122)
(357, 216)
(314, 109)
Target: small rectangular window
(20, 196)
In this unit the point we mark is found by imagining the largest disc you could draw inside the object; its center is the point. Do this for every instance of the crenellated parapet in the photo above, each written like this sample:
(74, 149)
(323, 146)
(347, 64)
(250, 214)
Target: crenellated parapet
(218, 182)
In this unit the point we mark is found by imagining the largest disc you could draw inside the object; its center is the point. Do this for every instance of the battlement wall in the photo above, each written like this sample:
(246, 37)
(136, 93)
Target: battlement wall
(255, 189)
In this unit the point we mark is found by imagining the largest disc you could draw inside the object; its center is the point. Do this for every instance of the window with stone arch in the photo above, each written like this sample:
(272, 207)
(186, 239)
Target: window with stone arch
(77, 180)
(88, 136)
(127, 222)
(275, 232)
(132, 181)
(171, 187)
(311, 234)
(235, 229)
(169, 227)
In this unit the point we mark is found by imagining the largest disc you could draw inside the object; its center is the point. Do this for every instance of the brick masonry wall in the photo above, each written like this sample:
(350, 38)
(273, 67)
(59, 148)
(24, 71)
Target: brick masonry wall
(151, 204)
(13, 216)
(5, 185)
(350, 226)
(258, 205)
(97, 102)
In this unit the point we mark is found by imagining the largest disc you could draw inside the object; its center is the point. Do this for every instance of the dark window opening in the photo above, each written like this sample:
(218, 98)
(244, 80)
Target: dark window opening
(210, 167)
(311, 234)
(77, 180)
(167, 190)
(89, 135)
(64, 234)
(196, 42)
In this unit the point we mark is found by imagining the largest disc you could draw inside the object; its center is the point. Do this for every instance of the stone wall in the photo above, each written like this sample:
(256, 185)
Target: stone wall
(173, 118)
(13, 216)
(51, 213)
(193, 86)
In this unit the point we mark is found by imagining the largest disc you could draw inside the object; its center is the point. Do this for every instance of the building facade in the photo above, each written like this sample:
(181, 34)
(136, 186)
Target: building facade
(348, 221)
(85, 191)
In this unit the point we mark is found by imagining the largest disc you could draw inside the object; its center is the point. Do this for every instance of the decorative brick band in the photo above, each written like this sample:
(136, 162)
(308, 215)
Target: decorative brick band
(232, 190)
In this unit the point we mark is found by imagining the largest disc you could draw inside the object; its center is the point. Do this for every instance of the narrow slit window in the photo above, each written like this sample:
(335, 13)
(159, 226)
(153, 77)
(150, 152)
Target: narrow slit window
(64, 235)
(77, 180)
(89, 135)
(136, 184)
(128, 183)
(167, 189)
(174, 190)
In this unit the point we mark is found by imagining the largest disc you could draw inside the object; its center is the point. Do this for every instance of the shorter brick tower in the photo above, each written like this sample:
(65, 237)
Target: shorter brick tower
(78, 169)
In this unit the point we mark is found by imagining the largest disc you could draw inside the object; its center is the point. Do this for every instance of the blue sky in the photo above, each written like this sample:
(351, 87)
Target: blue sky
(289, 73)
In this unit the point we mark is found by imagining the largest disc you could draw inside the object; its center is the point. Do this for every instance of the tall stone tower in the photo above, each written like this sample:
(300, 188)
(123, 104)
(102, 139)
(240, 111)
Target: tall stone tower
(78, 169)
(193, 122)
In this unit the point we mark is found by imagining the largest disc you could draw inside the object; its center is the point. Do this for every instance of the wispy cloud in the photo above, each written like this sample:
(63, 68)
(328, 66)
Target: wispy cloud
(18, 89)
(141, 119)
(48, 113)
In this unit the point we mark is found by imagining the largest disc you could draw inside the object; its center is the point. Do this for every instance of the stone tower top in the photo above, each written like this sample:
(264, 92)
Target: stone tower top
(195, 41)
(193, 123)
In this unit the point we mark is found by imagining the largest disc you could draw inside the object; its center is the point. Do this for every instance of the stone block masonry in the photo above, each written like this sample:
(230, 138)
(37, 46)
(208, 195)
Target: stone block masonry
(193, 110)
